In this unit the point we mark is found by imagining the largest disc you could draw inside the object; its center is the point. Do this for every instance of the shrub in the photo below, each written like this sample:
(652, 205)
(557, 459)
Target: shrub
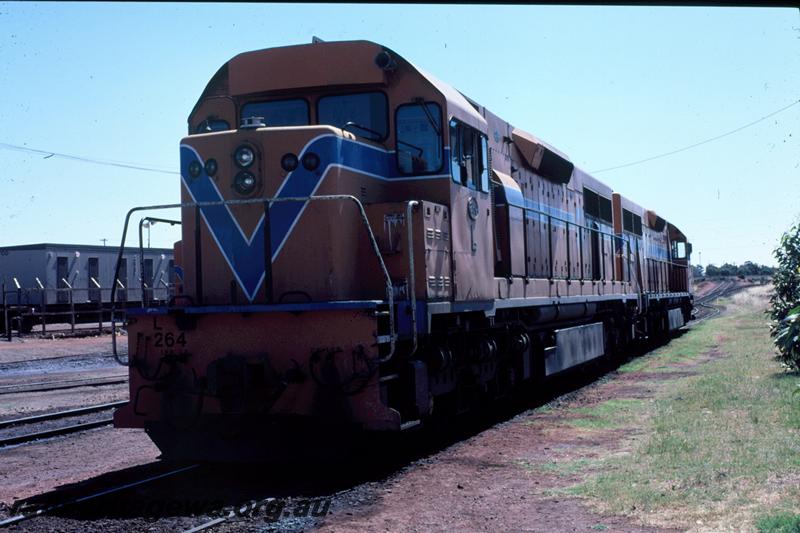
(785, 310)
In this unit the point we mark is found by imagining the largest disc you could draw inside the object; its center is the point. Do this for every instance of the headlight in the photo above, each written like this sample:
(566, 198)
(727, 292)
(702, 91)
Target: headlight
(195, 168)
(211, 167)
(289, 162)
(244, 183)
(310, 160)
(244, 156)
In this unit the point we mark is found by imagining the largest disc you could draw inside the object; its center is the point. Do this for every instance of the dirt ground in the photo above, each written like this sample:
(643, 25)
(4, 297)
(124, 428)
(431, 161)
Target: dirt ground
(31, 347)
(31, 469)
(34, 468)
(31, 360)
(502, 479)
(509, 477)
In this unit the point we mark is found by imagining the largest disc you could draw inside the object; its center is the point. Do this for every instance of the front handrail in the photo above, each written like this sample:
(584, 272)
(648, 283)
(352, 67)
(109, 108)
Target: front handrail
(253, 201)
(149, 221)
(411, 275)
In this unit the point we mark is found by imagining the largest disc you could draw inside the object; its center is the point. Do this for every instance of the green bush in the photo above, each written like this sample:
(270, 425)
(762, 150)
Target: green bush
(785, 310)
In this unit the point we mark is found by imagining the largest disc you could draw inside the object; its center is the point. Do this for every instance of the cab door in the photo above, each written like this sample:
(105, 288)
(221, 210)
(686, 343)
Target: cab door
(471, 214)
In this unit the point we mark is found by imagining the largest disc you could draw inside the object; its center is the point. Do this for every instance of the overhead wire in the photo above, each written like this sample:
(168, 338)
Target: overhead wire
(120, 164)
(683, 149)
(150, 168)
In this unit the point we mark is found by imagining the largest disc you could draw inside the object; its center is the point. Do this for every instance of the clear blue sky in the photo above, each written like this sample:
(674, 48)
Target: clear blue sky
(606, 85)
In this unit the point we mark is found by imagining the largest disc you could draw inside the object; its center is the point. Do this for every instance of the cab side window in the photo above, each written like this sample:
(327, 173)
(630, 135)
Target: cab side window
(469, 156)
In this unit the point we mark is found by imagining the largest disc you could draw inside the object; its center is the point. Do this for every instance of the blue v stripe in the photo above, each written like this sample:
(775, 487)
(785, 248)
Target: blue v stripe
(245, 256)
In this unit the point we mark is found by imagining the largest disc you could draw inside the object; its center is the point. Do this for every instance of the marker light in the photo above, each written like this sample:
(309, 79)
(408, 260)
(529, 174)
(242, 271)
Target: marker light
(310, 160)
(211, 167)
(244, 183)
(195, 168)
(244, 156)
(289, 162)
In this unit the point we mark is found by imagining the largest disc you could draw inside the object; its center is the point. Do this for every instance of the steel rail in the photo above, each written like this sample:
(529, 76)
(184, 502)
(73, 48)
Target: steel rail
(216, 521)
(262, 201)
(29, 437)
(718, 292)
(207, 525)
(77, 356)
(73, 384)
(61, 414)
(41, 512)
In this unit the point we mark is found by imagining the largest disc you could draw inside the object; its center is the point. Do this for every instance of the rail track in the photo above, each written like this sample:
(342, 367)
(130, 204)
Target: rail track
(58, 415)
(77, 357)
(45, 386)
(704, 307)
(95, 495)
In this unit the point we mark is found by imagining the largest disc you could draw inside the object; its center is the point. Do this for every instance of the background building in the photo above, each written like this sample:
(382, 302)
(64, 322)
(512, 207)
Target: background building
(60, 266)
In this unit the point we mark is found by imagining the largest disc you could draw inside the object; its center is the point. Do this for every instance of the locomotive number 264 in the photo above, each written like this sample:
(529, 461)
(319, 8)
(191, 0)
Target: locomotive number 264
(169, 339)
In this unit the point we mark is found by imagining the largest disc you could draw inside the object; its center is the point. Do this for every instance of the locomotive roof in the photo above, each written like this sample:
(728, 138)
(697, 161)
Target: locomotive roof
(342, 63)
(351, 63)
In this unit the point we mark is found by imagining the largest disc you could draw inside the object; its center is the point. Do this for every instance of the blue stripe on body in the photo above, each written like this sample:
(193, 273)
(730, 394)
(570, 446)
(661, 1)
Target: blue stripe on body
(245, 256)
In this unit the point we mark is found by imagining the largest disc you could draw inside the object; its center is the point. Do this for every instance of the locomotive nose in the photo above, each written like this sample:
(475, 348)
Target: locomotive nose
(257, 161)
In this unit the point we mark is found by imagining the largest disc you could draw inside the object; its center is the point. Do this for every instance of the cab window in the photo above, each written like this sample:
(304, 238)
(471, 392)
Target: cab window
(469, 155)
(363, 114)
(292, 112)
(419, 138)
(678, 250)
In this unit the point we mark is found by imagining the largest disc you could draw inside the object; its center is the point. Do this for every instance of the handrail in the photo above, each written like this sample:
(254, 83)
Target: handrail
(411, 277)
(149, 221)
(252, 201)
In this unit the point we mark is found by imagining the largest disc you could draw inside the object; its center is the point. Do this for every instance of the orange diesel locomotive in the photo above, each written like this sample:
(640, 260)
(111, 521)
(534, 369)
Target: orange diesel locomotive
(363, 247)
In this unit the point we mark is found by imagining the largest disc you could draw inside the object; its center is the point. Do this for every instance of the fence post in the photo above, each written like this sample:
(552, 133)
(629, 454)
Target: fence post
(43, 296)
(99, 304)
(5, 313)
(42, 304)
(71, 306)
(19, 305)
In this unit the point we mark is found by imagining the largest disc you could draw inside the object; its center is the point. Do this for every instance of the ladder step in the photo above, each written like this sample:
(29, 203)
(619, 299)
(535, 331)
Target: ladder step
(410, 424)
(388, 377)
(384, 339)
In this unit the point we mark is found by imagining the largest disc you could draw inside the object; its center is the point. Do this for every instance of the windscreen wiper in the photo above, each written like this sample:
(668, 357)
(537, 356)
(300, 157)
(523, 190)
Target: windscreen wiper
(351, 124)
(421, 102)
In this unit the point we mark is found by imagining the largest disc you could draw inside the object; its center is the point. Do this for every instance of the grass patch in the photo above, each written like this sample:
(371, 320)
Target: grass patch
(608, 414)
(723, 442)
(683, 349)
(568, 468)
(779, 523)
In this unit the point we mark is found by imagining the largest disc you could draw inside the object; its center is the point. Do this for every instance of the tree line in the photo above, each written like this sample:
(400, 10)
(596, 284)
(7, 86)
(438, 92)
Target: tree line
(748, 268)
